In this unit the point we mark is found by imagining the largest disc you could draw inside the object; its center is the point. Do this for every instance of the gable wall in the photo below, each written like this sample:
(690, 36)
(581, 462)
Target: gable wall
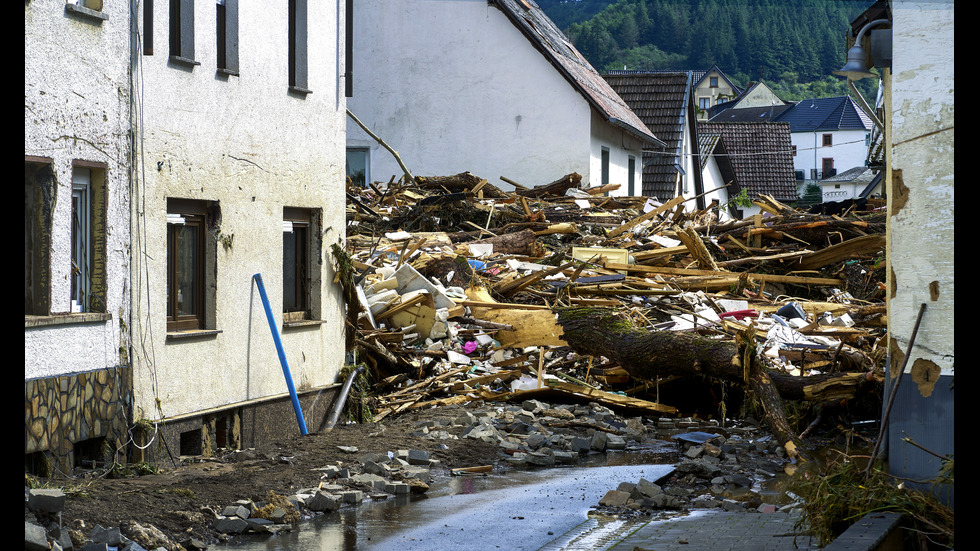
(453, 87)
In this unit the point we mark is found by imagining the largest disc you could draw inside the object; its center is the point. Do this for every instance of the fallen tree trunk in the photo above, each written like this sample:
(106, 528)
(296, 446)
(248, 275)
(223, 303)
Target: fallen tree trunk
(651, 354)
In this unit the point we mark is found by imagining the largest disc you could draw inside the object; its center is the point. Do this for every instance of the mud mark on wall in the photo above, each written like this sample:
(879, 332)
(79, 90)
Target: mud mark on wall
(897, 358)
(934, 291)
(899, 192)
(925, 373)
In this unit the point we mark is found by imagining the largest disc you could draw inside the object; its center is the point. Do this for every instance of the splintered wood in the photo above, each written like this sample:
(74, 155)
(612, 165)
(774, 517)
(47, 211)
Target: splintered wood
(462, 285)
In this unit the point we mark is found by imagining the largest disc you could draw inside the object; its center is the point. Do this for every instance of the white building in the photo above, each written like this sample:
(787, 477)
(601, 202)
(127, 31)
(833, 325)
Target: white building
(238, 171)
(77, 289)
(492, 88)
(829, 135)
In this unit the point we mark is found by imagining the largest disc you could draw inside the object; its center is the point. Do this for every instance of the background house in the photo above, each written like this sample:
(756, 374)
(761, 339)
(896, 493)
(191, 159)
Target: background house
(757, 103)
(712, 87)
(76, 146)
(238, 171)
(829, 135)
(760, 157)
(665, 103)
(492, 88)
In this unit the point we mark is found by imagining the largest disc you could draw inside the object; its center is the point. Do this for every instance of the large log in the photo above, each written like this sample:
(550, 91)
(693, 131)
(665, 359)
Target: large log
(651, 354)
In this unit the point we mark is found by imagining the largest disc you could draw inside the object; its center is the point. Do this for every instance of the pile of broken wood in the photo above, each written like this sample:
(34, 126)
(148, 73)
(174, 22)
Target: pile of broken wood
(469, 292)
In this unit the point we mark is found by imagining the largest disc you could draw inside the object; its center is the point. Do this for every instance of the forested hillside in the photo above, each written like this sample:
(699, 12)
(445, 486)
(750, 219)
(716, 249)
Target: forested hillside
(792, 45)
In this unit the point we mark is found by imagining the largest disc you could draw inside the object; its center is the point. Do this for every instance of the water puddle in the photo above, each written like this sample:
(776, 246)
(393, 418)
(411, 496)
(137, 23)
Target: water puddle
(517, 510)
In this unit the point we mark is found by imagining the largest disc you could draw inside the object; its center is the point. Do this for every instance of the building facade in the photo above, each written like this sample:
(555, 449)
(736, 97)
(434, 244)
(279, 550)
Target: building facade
(77, 154)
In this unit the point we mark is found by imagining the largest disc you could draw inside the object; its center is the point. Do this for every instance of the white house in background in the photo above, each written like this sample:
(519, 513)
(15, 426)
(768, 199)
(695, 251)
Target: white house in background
(76, 256)
(238, 172)
(489, 87)
(829, 135)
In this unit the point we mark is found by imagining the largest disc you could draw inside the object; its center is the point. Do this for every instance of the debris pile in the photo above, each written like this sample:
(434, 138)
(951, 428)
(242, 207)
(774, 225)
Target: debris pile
(458, 284)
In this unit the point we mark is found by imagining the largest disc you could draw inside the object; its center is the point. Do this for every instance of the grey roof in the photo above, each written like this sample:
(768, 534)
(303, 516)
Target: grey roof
(760, 154)
(836, 113)
(858, 174)
(662, 101)
(531, 20)
(747, 114)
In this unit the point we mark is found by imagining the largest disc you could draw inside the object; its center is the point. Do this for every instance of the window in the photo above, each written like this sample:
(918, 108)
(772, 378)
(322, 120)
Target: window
(827, 167)
(794, 151)
(187, 255)
(182, 31)
(713, 82)
(90, 9)
(297, 47)
(604, 170)
(828, 140)
(300, 275)
(631, 176)
(147, 27)
(227, 36)
(81, 239)
(357, 165)
(39, 196)
(704, 103)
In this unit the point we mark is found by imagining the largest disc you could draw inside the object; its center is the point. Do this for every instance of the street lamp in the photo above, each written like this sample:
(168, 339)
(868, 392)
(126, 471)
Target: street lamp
(856, 66)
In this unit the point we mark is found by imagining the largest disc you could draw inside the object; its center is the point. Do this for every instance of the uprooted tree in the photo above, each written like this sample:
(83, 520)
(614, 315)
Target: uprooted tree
(646, 354)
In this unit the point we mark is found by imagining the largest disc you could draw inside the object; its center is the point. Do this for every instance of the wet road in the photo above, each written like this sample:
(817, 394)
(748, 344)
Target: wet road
(524, 510)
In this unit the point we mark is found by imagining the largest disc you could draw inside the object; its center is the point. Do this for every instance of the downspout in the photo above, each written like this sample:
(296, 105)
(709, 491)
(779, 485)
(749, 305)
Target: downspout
(341, 401)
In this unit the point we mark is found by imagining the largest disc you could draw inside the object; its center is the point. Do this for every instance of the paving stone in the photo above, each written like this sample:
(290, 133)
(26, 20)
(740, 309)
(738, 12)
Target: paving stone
(235, 511)
(418, 457)
(323, 501)
(230, 525)
(35, 538)
(109, 536)
(352, 496)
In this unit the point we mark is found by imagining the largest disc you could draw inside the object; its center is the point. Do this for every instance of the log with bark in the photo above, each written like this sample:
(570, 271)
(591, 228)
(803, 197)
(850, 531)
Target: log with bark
(650, 354)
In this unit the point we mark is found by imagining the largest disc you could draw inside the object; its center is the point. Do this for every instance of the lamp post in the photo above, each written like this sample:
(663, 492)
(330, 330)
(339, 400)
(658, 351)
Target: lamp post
(856, 66)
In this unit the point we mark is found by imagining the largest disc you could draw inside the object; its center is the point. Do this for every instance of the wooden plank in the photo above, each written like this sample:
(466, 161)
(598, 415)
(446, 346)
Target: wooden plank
(502, 305)
(868, 244)
(692, 272)
(644, 217)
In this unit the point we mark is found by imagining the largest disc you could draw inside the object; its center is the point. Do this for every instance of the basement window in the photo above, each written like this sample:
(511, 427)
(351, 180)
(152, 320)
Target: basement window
(91, 453)
(191, 443)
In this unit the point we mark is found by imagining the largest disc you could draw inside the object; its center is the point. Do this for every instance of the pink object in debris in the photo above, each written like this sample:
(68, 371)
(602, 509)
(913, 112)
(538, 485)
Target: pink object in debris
(470, 346)
(739, 314)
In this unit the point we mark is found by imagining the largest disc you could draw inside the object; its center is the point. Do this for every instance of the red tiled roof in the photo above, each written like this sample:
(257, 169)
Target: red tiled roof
(761, 156)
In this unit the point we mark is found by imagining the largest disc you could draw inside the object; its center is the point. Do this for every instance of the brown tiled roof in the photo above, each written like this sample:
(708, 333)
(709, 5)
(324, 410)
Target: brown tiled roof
(760, 154)
(550, 41)
(661, 101)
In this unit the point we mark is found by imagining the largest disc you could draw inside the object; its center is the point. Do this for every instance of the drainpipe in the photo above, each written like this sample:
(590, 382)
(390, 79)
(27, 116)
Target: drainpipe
(282, 354)
(338, 406)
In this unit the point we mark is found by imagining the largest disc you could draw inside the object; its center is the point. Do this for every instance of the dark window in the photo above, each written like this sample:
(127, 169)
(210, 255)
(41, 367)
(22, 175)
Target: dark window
(827, 167)
(297, 46)
(714, 82)
(81, 239)
(147, 27)
(186, 226)
(828, 140)
(227, 35)
(182, 31)
(631, 177)
(39, 198)
(296, 263)
(604, 174)
(794, 151)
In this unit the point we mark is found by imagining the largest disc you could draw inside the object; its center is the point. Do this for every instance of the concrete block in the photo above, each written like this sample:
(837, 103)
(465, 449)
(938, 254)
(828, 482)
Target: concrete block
(35, 538)
(615, 442)
(418, 457)
(235, 511)
(580, 445)
(397, 488)
(230, 525)
(322, 501)
(352, 496)
(109, 536)
(614, 498)
(46, 500)
(647, 488)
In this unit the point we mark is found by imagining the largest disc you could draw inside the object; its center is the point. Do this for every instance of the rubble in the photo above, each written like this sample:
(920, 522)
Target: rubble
(459, 283)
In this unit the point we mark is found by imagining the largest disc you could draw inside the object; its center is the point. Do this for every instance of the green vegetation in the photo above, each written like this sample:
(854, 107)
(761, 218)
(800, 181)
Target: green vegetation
(792, 45)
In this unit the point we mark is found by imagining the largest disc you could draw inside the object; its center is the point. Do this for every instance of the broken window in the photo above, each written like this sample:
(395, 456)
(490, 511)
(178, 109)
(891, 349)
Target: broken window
(39, 199)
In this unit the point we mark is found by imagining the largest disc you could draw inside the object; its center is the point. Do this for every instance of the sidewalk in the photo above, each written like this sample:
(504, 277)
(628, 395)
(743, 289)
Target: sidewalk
(719, 531)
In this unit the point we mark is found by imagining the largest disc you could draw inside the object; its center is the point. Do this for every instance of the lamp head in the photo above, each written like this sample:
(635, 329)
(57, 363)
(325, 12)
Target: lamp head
(856, 67)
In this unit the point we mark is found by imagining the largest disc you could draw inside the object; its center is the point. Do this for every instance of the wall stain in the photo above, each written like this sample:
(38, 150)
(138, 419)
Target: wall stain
(899, 192)
(897, 358)
(934, 291)
(925, 373)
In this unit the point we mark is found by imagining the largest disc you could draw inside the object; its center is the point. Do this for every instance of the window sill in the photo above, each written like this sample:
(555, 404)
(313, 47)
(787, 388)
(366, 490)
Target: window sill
(86, 13)
(302, 323)
(226, 72)
(194, 334)
(183, 61)
(297, 90)
(65, 319)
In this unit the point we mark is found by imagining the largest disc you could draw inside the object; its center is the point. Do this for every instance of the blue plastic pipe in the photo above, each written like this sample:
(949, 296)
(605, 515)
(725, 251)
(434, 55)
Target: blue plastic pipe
(282, 354)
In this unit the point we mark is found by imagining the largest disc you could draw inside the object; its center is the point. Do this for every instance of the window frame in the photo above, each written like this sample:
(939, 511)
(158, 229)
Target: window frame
(367, 164)
(82, 239)
(226, 36)
(712, 82)
(604, 163)
(300, 223)
(826, 167)
(827, 140)
(193, 213)
(298, 47)
(182, 32)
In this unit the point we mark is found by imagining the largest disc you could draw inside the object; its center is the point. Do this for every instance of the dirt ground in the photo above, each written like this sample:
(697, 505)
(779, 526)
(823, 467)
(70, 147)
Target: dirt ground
(178, 501)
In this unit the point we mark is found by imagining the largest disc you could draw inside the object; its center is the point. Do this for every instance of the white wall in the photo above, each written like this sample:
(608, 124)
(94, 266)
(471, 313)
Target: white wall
(712, 179)
(453, 87)
(76, 108)
(254, 147)
(850, 150)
